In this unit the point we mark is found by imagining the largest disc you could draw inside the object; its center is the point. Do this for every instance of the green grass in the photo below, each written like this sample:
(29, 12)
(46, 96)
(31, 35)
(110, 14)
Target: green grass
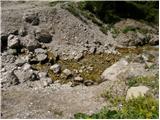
(138, 108)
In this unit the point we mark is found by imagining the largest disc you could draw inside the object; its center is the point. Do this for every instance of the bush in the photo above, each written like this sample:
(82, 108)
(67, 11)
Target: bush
(137, 108)
(113, 11)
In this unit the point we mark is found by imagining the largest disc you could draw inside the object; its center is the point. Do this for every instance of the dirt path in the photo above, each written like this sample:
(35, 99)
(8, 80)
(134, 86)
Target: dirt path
(58, 101)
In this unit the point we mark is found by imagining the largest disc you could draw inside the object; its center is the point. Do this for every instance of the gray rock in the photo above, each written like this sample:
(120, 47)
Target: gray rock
(123, 70)
(40, 51)
(8, 59)
(4, 38)
(92, 50)
(41, 57)
(141, 39)
(25, 75)
(31, 18)
(9, 80)
(154, 40)
(20, 61)
(30, 43)
(67, 72)
(56, 68)
(46, 81)
(78, 56)
(12, 51)
(136, 91)
(43, 36)
(42, 74)
(112, 72)
(26, 66)
(22, 31)
(13, 41)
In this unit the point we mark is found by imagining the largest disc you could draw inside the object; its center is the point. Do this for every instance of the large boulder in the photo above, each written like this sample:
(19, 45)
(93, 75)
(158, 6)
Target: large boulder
(26, 75)
(112, 72)
(134, 92)
(123, 70)
(43, 36)
(30, 42)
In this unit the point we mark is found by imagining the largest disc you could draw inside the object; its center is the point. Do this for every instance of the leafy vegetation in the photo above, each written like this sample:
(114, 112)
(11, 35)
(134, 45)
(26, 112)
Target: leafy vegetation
(128, 28)
(104, 12)
(137, 108)
(150, 81)
(113, 11)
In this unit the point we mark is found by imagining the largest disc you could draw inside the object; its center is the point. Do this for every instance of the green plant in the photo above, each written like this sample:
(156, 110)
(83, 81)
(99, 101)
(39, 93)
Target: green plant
(128, 28)
(151, 81)
(137, 108)
(115, 32)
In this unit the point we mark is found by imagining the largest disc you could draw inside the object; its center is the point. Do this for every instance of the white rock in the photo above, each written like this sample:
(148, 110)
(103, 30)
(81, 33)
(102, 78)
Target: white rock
(40, 51)
(67, 72)
(42, 74)
(112, 72)
(136, 91)
(78, 79)
(41, 57)
(56, 68)
(26, 66)
(124, 70)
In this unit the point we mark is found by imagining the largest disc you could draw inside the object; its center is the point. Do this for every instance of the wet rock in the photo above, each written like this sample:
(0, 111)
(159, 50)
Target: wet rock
(31, 18)
(40, 51)
(43, 36)
(136, 91)
(56, 68)
(41, 57)
(154, 40)
(88, 82)
(13, 41)
(30, 43)
(78, 79)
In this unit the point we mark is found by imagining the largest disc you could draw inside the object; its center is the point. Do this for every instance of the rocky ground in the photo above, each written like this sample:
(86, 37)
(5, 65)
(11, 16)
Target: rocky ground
(54, 65)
